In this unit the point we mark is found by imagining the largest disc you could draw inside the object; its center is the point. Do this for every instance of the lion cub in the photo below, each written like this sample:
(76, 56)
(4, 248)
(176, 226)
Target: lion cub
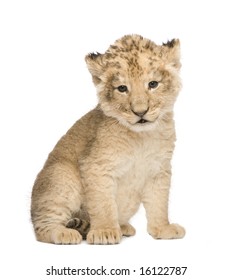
(116, 156)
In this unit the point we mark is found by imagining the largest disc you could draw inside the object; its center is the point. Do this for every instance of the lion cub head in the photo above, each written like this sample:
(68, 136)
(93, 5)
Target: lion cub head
(137, 81)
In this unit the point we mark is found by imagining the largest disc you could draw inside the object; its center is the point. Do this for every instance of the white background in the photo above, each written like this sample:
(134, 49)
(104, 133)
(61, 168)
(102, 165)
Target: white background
(45, 87)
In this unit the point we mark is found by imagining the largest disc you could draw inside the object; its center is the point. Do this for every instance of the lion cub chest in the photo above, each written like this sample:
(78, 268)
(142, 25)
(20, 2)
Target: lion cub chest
(142, 164)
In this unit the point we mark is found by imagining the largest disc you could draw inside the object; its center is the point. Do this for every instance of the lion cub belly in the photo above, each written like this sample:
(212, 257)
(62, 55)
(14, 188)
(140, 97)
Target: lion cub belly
(132, 185)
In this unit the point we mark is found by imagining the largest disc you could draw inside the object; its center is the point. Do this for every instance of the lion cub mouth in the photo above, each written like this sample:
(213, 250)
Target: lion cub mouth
(142, 121)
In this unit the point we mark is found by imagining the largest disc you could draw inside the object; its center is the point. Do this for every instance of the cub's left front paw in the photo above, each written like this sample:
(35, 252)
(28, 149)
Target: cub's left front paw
(104, 236)
(170, 231)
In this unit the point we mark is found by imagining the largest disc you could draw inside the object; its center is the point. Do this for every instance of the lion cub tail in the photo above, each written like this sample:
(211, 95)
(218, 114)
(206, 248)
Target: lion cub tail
(82, 226)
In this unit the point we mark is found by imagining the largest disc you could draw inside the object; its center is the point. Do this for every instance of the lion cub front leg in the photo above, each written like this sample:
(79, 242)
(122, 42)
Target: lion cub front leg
(156, 206)
(102, 209)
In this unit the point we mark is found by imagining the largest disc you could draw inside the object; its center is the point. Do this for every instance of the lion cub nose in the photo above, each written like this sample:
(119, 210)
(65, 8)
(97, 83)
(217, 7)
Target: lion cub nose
(140, 113)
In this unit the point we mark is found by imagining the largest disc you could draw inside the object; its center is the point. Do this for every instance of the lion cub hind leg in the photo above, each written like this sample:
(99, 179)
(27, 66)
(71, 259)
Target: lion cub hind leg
(63, 235)
(57, 234)
(55, 197)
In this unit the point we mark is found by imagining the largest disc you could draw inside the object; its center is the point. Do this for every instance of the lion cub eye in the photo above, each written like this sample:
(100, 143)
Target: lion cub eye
(153, 84)
(122, 88)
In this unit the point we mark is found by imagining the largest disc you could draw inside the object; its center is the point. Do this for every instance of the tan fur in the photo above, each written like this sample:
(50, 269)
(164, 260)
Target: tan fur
(108, 163)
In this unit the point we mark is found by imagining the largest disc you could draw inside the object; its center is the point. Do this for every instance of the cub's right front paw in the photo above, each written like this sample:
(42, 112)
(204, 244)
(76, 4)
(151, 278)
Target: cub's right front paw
(104, 236)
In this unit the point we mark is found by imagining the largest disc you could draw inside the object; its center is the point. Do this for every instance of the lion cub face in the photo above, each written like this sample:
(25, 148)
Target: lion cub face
(137, 81)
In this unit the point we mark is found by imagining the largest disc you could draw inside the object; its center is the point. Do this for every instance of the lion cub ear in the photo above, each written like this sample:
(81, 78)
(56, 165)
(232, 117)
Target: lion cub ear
(95, 66)
(171, 52)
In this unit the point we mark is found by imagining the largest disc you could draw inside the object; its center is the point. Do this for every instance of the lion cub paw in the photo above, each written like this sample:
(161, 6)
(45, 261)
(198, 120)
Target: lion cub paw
(104, 236)
(127, 230)
(171, 231)
(64, 235)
